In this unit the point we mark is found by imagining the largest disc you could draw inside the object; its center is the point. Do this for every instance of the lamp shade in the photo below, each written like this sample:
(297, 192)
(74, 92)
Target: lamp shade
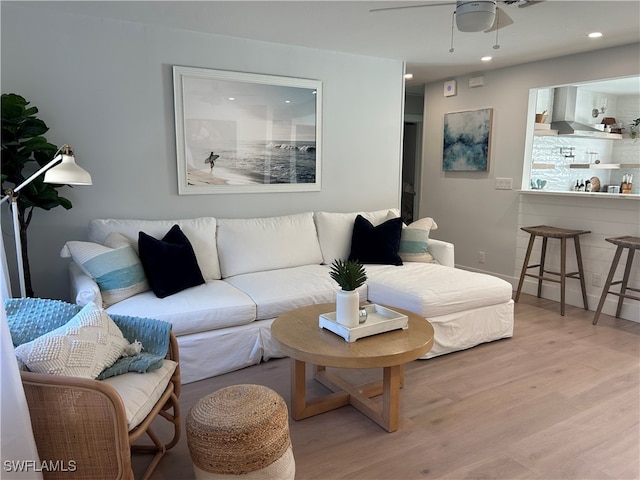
(68, 172)
(475, 16)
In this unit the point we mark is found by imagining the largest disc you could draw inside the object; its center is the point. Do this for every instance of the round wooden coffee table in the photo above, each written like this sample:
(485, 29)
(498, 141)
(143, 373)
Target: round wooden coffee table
(299, 336)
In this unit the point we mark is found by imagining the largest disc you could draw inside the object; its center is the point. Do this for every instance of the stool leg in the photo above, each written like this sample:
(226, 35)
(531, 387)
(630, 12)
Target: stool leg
(563, 272)
(607, 284)
(576, 240)
(543, 256)
(524, 266)
(625, 280)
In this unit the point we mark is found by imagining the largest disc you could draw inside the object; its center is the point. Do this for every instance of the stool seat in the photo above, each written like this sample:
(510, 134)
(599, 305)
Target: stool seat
(242, 430)
(546, 232)
(553, 232)
(625, 242)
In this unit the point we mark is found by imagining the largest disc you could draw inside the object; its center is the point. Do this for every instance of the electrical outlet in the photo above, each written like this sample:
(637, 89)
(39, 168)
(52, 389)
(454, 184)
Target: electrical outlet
(596, 280)
(480, 257)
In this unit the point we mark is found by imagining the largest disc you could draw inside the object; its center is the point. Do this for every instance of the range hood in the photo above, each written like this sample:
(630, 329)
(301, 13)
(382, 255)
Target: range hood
(563, 118)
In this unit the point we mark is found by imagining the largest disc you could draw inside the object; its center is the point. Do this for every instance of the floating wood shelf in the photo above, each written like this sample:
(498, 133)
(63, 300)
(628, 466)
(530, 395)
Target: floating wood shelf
(543, 166)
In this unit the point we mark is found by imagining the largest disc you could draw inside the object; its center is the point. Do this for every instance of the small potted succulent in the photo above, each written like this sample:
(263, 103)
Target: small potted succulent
(349, 275)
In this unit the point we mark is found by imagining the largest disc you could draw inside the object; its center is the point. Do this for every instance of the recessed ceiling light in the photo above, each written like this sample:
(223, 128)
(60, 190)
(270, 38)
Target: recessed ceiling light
(287, 101)
(232, 98)
(595, 34)
(408, 76)
(486, 59)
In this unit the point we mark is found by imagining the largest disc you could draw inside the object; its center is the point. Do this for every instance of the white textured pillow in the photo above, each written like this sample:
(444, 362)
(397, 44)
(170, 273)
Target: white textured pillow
(414, 241)
(117, 271)
(258, 244)
(335, 230)
(83, 347)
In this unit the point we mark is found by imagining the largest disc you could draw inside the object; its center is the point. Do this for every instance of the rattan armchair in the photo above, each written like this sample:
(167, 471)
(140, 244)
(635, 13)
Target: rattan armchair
(82, 424)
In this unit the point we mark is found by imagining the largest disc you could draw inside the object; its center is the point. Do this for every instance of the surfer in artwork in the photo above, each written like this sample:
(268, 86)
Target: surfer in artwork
(211, 160)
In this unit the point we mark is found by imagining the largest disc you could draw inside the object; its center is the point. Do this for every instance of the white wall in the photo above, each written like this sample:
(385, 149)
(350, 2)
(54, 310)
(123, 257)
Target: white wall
(476, 217)
(105, 87)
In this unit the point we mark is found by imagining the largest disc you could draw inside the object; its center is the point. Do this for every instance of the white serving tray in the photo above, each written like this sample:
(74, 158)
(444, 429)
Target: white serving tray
(379, 320)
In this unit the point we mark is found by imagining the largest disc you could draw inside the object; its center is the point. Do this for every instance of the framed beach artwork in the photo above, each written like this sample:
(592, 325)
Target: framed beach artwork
(467, 141)
(246, 133)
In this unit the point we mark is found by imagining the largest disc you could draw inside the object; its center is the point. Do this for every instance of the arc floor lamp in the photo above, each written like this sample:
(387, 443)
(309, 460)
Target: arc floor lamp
(62, 169)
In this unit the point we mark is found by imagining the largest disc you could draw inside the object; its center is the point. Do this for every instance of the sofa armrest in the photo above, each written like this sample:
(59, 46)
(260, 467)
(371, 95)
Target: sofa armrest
(442, 251)
(82, 288)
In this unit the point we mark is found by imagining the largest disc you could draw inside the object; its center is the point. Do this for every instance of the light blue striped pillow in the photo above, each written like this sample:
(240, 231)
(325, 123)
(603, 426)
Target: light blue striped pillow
(117, 271)
(414, 241)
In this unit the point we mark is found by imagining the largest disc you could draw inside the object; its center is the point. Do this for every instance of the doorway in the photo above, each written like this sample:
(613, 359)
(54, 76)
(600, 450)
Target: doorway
(412, 156)
(408, 207)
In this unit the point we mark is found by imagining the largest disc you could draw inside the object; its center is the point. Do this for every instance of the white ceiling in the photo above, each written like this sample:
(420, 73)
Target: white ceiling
(420, 36)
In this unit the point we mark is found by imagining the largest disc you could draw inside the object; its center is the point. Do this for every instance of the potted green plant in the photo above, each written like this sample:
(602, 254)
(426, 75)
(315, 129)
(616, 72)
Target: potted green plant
(349, 275)
(24, 151)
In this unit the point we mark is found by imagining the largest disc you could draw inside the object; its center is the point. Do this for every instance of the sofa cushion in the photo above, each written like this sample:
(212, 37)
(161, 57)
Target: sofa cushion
(201, 232)
(431, 290)
(214, 304)
(335, 230)
(140, 392)
(170, 264)
(379, 244)
(279, 291)
(83, 347)
(260, 244)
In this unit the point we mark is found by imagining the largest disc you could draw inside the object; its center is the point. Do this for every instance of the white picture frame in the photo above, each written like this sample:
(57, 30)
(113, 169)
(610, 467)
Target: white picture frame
(242, 132)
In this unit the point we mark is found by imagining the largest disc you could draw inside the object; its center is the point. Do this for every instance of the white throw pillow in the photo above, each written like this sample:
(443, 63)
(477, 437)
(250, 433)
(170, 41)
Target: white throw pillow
(117, 271)
(258, 244)
(335, 230)
(83, 347)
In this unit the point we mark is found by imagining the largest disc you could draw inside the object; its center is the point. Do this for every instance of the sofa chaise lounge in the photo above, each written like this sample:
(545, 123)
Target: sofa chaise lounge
(258, 268)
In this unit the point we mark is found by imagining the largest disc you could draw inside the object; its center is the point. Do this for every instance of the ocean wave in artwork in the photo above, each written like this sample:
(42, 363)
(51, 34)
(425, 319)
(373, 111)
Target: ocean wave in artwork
(290, 146)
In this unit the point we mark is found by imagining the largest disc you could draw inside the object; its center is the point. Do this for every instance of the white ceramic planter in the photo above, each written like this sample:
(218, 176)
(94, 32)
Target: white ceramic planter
(348, 308)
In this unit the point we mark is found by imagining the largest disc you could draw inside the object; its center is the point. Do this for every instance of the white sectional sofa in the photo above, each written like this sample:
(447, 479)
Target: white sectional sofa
(255, 269)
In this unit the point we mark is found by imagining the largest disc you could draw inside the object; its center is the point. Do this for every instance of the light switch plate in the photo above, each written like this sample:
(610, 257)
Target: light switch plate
(450, 88)
(504, 183)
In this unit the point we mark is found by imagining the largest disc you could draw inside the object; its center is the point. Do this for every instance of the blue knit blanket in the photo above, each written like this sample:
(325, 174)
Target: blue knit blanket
(30, 318)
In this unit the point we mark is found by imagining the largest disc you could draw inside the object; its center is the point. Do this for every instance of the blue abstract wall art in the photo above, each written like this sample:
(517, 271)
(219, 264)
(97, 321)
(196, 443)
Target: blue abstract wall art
(467, 141)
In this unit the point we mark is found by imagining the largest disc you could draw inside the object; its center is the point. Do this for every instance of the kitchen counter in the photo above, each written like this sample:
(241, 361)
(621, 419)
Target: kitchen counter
(618, 196)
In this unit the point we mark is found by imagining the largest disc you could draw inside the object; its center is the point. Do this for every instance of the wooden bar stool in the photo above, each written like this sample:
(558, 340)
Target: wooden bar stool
(563, 234)
(632, 243)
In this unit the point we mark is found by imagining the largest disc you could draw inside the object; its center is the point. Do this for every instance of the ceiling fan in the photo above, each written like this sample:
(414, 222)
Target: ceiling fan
(474, 16)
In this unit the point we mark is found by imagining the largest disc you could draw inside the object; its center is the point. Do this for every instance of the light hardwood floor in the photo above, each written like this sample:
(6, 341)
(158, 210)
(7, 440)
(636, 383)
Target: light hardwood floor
(559, 400)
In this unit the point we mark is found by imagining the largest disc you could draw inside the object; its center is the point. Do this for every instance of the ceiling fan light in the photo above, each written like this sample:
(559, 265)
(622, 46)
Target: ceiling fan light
(475, 16)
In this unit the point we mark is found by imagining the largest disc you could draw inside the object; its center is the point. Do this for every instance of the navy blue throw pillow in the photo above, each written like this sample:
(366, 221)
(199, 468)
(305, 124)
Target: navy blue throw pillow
(379, 244)
(170, 264)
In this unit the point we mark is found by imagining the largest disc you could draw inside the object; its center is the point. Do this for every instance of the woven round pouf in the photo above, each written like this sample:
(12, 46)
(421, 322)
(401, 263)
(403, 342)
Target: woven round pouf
(241, 431)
